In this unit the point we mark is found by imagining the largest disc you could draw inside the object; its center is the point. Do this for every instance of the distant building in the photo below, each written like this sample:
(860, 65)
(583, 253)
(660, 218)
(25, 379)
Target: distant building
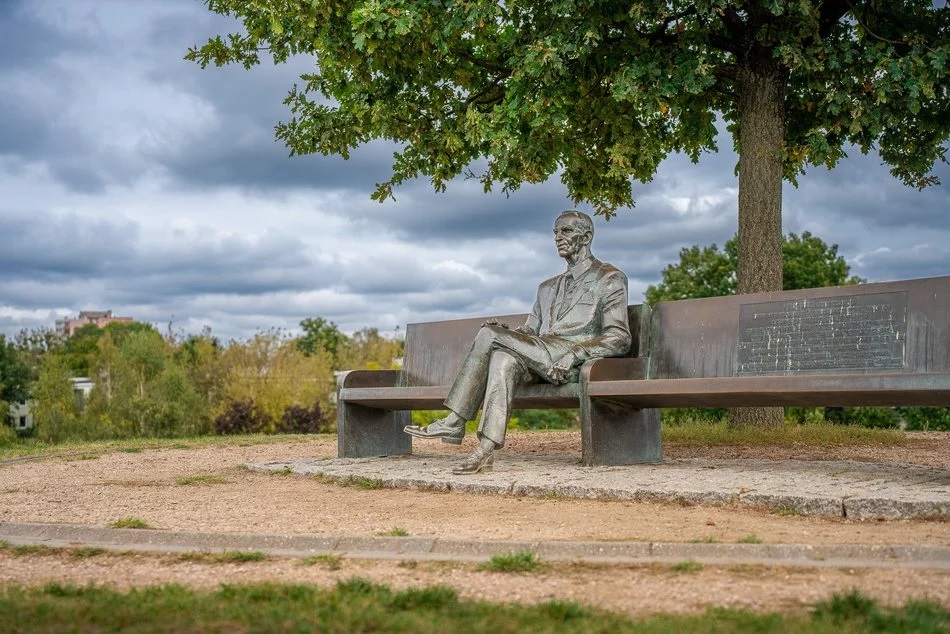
(101, 318)
(21, 415)
(21, 412)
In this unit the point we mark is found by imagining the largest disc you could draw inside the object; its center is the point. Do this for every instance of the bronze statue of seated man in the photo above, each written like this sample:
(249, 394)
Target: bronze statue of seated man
(578, 315)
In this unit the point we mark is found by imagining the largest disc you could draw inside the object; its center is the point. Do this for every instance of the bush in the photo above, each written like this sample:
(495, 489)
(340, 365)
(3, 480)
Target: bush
(925, 418)
(546, 419)
(8, 436)
(241, 417)
(300, 420)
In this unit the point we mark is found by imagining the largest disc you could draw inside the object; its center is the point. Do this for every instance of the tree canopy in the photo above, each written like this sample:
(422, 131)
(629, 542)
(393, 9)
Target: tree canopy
(14, 376)
(710, 272)
(600, 91)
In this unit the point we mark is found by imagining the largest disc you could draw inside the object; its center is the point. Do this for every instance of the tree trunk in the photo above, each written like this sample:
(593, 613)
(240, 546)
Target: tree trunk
(761, 103)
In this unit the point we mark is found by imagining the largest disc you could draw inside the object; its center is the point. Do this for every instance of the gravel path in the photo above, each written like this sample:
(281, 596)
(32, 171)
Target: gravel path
(207, 489)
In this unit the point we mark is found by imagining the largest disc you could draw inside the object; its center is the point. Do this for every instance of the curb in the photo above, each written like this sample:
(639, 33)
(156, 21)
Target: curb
(840, 489)
(466, 550)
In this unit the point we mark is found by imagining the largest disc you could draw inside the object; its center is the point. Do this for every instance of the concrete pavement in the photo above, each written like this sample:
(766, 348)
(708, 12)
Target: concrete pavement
(856, 490)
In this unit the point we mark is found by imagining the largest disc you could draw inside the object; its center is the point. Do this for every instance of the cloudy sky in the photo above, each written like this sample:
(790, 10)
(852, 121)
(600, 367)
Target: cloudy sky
(132, 180)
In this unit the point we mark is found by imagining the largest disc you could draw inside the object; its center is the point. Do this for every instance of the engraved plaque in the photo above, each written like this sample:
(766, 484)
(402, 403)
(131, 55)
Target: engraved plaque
(857, 333)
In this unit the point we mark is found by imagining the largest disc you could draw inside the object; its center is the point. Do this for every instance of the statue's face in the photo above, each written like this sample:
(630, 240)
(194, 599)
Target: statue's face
(569, 236)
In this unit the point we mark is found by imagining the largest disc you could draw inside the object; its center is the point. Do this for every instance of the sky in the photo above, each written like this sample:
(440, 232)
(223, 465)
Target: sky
(133, 181)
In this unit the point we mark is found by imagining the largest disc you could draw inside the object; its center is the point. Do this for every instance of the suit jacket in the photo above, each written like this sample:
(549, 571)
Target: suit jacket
(593, 317)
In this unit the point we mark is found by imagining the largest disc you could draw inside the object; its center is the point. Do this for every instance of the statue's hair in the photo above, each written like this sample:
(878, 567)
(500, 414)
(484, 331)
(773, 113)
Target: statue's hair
(580, 218)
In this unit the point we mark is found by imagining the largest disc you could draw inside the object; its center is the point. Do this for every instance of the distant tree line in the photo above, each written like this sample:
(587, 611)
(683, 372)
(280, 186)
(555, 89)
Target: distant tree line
(149, 384)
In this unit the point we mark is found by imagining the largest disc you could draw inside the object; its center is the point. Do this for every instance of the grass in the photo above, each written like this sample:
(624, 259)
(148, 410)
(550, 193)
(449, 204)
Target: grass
(700, 433)
(90, 449)
(687, 566)
(357, 605)
(33, 549)
(687, 433)
(129, 522)
(224, 556)
(328, 561)
(749, 539)
(704, 540)
(395, 531)
(524, 561)
(84, 552)
(201, 479)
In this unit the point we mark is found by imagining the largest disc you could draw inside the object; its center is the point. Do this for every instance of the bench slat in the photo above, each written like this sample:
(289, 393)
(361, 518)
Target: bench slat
(766, 391)
(432, 397)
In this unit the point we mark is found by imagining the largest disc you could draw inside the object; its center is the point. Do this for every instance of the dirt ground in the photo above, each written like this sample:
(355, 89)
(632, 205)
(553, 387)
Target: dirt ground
(205, 488)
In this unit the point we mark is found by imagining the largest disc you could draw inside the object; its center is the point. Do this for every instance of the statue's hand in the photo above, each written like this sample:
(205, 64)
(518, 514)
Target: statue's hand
(523, 330)
(561, 369)
(493, 322)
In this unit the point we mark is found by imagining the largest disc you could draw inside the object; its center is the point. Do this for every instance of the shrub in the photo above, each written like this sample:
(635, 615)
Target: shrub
(241, 417)
(300, 420)
(546, 418)
(925, 418)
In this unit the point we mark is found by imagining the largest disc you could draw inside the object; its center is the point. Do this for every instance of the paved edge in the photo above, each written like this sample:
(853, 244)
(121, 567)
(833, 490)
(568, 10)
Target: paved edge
(471, 550)
(862, 507)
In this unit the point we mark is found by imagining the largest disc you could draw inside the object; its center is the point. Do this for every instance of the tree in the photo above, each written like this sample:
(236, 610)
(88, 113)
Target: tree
(320, 335)
(367, 348)
(14, 377)
(601, 91)
(34, 344)
(270, 372)
(807, 260)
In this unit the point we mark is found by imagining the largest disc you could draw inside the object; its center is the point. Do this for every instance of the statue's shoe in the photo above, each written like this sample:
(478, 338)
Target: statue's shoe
(438, 429)
(481, 460)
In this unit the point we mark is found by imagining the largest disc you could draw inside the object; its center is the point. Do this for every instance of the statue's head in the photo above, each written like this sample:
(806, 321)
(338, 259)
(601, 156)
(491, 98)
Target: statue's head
(573, 233)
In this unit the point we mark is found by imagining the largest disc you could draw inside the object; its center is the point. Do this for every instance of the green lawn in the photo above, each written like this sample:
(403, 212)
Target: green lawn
(357, 605)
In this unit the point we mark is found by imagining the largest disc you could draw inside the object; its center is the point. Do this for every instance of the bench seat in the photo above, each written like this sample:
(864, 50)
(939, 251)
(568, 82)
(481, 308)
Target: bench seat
(830, 390)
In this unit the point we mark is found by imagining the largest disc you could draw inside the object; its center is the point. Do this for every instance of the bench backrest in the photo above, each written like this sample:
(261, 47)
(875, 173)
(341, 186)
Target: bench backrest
(899, 327)
(435, 350)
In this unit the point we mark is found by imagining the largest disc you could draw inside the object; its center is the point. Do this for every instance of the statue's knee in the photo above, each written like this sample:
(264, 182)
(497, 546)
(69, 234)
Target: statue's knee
(503, 362)
(485, 337)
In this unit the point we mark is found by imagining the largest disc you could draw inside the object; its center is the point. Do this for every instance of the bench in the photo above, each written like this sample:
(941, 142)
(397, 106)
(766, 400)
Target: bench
(373, 406)
(876, 344)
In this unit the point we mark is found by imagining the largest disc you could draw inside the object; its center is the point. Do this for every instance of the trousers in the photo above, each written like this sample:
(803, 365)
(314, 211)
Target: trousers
(500, 360)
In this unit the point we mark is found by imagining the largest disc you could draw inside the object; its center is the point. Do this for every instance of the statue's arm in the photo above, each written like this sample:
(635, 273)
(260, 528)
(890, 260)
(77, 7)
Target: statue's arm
(614, 338)
(532, 324)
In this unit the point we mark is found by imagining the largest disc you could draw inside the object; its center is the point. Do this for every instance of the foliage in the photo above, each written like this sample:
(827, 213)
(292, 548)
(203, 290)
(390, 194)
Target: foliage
(702, 433)
(14, 376)
(55, 411)
(8, 437)
(297, 419)
(599, 91)
(524, 561)
(129, 522)
(141, 390)
(320, 335)
(545, 419)
(808, 262)
(81, 348)
(368, 349)
(358, 605)
(273, 373)
(34, 344)
(925, 418)
(242, 417)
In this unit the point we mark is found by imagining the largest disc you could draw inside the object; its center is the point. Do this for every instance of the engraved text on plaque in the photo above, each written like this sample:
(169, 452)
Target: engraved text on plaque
(859, 333)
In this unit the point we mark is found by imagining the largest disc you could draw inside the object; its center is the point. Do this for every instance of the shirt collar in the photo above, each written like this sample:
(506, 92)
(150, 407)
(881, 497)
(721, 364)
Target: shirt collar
(580, 268)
